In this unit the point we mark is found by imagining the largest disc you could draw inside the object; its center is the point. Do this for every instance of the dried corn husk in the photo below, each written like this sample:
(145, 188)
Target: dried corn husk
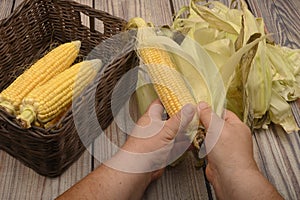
(255, 73)
(281, 113)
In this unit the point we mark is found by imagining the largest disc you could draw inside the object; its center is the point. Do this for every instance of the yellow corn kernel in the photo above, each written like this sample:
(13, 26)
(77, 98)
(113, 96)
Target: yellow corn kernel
(39, 73)
(47, 101)
(168, 83)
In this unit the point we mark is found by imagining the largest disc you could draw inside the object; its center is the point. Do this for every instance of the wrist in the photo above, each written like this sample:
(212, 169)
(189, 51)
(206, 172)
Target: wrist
(246, 184)
(145, 165)
(228, 169)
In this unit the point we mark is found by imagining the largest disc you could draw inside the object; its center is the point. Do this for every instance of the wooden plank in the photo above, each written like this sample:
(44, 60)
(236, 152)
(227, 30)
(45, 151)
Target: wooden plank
(17, 3)
(20, 182)
(279, 152)
(281, 18)
(6, 6)
(179, 3)
(104, 145)
(159, 14)
(17, 180)
(289, 17)
(75, 173)
(183, 181)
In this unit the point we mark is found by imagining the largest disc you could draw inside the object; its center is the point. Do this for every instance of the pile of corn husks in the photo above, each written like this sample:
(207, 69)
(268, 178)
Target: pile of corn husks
(228, 60)
(260, 77)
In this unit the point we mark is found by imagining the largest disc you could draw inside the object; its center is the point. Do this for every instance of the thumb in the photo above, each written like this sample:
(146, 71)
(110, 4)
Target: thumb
(213, 125)
(180, 120)
(204, 112)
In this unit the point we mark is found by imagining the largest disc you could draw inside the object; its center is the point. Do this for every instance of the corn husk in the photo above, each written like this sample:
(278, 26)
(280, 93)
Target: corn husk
(281, 113)
(251, 67)
(145, 92)
(227, 51)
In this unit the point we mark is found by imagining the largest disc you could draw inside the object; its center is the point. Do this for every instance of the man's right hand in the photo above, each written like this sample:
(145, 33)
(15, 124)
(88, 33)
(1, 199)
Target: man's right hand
(231, 167)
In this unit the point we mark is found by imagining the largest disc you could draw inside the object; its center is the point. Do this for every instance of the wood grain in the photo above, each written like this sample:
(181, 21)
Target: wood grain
(85, 20)
(183, 181)
(281, 19)
(159, 14)
(6, 6)
(20, 182)
(279, 153)
(276, 152)
(17, 3)
(177, 4)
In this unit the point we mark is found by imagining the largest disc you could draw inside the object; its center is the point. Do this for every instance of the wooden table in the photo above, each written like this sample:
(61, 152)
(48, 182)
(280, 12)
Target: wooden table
(276, 152)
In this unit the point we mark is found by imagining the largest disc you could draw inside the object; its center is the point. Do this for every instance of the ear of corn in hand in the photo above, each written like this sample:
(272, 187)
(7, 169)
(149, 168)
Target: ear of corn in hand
(39, 73)
(167, 81)
(47, 101)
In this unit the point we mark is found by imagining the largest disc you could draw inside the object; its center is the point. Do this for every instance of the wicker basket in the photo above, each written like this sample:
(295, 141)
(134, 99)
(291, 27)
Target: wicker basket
(24, 37)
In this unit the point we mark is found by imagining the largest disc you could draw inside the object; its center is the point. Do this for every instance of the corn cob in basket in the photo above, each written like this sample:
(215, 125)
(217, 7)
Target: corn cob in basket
(48, 101)
(39, 73)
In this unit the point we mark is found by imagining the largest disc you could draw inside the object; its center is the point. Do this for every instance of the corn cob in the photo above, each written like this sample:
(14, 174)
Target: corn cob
(47, 101)
(39, 73)
(168, 83)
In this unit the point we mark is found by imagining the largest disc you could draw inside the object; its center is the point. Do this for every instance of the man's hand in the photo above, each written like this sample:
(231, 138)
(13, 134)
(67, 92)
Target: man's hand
(231, 167)
(154, 143)
(141, 160)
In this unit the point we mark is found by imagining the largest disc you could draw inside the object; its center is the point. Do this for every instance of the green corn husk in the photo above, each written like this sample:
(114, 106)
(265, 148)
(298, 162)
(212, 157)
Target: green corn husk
(218, 16)
(145, 93)
(280, 113)
(236, 94)
(259, 82)
(284, 79)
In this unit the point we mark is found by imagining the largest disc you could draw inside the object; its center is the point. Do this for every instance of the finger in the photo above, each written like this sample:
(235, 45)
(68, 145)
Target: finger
(230, 117)
(205, 113)
(180, 120)
(213, 125)
(153, 113)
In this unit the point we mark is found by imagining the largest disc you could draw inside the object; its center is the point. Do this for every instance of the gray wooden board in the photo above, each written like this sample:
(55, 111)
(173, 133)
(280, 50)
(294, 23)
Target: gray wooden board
(276, 152)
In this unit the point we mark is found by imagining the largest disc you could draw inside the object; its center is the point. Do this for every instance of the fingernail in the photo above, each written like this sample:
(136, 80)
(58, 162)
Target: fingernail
(202, 105)
(188, 110)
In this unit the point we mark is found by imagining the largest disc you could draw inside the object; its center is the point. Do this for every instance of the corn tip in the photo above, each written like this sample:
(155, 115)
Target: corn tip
(8, 107)
(96, 63)
(136, 22)
(26, 117)
(77, 43)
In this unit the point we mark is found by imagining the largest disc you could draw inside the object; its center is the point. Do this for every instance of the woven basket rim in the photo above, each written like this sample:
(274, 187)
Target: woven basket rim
(20, 7)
